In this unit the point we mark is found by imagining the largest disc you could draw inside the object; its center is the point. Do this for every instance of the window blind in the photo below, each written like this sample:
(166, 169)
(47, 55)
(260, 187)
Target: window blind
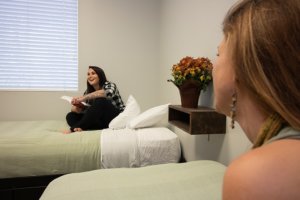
(38, 45)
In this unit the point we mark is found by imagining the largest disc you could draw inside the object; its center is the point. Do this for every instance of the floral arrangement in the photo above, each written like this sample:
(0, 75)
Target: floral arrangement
(189, 68)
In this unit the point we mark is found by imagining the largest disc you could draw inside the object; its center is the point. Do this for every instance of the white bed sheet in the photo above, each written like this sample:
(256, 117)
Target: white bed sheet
(139, 147)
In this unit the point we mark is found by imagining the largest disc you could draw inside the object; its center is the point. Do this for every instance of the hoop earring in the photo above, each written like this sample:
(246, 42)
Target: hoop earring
(233, 109)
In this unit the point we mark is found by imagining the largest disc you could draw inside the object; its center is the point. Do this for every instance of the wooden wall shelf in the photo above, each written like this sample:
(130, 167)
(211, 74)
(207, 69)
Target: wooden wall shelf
(201, 120)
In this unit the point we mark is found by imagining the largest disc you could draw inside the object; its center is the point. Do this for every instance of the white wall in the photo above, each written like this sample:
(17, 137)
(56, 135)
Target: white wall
(137, 42)
(189, 28)
(194, 28)
(119, 35)
(122, 37)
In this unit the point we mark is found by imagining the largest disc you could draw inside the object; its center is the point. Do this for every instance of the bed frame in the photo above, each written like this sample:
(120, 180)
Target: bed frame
(24, 187)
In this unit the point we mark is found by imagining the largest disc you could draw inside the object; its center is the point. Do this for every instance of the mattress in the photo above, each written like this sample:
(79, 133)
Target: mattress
(194, 180)
(36, 148)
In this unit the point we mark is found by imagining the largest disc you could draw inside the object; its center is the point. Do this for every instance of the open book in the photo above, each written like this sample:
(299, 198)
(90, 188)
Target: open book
(69, 99)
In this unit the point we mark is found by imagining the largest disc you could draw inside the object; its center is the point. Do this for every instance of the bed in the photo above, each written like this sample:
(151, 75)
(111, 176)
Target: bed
(38, 150)
(32, 153)
(133, 139)
(35, 148)
(190, 181)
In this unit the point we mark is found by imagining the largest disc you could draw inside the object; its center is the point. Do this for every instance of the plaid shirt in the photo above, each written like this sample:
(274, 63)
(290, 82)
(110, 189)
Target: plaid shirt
(113, 94)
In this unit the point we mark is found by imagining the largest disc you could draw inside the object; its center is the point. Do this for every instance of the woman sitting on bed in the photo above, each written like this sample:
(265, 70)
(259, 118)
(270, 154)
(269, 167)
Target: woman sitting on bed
(104, 100)
(256, 83)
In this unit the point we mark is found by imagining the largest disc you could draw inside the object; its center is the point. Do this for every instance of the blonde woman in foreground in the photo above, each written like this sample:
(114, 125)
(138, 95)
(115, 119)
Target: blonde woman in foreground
(256, 83)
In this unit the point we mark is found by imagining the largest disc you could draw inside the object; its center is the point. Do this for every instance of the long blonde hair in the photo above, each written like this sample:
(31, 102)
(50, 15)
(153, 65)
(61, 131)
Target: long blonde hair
(264, 38)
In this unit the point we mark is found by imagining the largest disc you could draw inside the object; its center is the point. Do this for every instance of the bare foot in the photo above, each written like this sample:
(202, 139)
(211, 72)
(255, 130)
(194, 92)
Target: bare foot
(66, 131)
(77, 129)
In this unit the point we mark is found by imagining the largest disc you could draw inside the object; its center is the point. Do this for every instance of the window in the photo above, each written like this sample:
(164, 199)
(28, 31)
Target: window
(38, 45)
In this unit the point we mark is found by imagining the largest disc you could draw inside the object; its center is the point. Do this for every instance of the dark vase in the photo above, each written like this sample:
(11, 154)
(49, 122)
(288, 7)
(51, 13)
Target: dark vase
(189, 93)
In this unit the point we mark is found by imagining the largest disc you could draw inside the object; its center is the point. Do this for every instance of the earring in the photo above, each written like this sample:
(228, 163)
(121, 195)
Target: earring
(233, 109)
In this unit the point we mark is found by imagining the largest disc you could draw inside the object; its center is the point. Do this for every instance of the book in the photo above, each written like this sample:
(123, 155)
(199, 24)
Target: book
(69, 99)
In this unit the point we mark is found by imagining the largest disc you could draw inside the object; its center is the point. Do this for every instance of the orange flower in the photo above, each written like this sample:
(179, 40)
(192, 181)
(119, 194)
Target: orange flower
(190, 68)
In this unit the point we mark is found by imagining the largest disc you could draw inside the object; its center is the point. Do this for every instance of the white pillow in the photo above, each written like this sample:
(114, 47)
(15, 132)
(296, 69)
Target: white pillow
(131, 110)
(150, 117)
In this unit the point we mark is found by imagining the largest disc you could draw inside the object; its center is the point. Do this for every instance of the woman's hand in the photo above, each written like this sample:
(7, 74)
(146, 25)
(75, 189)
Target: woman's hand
(77, 102)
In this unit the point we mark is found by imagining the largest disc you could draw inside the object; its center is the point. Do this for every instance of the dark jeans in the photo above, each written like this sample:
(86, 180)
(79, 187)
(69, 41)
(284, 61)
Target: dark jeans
(96, 116)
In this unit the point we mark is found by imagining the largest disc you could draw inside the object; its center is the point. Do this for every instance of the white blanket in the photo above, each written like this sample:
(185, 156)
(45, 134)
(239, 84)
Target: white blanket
(119, 148)
(138, 147)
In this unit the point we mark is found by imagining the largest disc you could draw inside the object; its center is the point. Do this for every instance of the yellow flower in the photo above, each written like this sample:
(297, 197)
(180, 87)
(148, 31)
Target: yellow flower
(202, 78)
(192, 72)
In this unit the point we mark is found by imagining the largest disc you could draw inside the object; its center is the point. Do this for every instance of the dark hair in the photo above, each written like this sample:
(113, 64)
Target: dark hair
(102, 79)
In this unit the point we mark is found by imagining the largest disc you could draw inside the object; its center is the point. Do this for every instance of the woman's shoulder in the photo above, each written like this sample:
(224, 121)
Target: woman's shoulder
(109, 85)
(268, 172)
(107, 82)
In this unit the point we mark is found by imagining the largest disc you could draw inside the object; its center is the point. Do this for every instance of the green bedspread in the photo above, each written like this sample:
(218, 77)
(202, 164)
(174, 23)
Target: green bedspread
(193, 180)
(34, 148)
